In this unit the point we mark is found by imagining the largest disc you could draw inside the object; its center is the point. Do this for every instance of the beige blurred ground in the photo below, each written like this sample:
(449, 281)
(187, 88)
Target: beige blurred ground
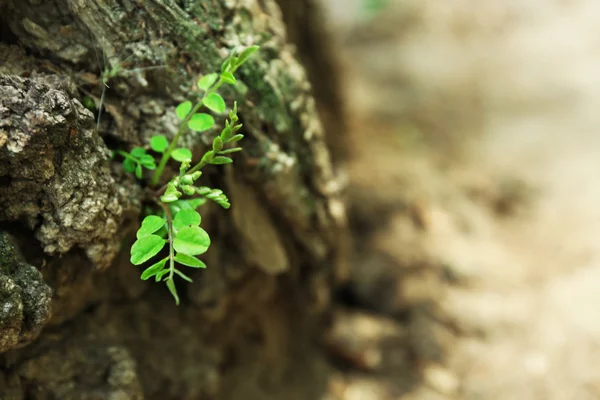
(476, 125)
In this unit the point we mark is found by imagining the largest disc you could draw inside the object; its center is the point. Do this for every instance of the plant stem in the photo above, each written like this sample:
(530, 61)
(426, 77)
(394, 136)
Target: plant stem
(126, 155)
(197, 167)
(160, 191)
(167, 153)
(182, 127)
(170, 231)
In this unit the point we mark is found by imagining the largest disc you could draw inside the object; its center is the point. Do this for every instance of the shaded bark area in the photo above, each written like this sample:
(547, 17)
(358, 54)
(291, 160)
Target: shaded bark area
(250, 323)
(305, 25)
(24, 296)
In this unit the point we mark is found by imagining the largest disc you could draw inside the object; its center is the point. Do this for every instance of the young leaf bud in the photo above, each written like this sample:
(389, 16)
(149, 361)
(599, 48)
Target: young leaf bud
(187, 180)
(217, 144)
(187, 189)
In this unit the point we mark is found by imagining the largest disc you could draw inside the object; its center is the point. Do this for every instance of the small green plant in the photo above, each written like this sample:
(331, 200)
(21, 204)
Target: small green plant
(176, 223)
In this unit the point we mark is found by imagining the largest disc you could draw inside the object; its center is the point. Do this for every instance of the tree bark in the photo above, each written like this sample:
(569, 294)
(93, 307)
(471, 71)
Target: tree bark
(306, 28)
(249, 325)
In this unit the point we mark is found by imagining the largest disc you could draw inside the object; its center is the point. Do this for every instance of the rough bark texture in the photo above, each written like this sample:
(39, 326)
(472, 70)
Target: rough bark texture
(54, 168)
(24, 296)
(249, 324)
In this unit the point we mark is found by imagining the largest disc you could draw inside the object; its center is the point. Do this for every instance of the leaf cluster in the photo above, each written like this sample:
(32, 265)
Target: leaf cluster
(136, 160)
(176, 224)
(186, 237)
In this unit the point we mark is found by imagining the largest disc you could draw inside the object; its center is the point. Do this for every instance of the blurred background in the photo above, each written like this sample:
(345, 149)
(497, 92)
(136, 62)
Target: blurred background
(474, 182)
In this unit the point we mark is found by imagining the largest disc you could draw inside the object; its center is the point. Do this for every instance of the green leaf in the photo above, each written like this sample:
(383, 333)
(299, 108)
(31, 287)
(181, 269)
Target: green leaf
(138, 171)
(217, 144)
(191, 240)
(232, 150)
(188, 204)
(195, 203)
(235, 138)
(196, 175)
(191, 204)
(147, 161)
(184, 276)
(226, 132)
(159, 143)
(245, 55)
(186, 179)
(188, 189)
(172, 289)
(181, 154)
(185, 218)
(150, 224)
(189, 261)
(215, 102)
(145, 248)
(203, 190)
(183, 109)
(228, 78)
(201, 122)
(208, 156)
(207, 81)
(176, 206)
(162, 232)
(168, 198)
(185, 165)
(161, 274)
(171, 194)
(137, 152)
(154, 269)
(129, 165)
(226, 64)
(221, 160)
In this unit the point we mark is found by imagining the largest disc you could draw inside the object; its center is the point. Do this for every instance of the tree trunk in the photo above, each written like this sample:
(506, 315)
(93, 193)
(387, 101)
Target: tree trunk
(76, 322)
